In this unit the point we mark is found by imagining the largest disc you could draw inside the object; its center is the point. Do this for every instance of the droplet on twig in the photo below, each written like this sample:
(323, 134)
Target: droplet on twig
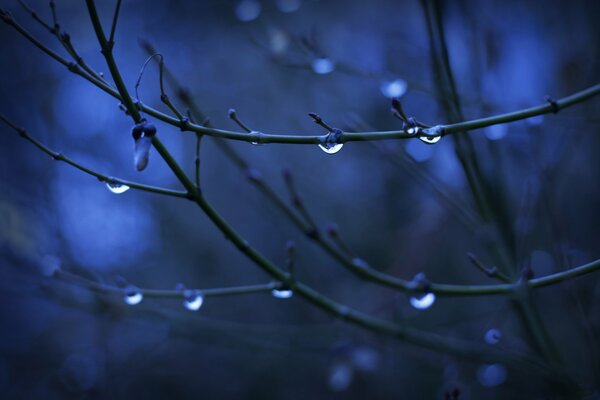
(422, 302)
(331, 143)
(133, 297)
(193, 299)
(282, 293)
(142, 133)
(117, 188)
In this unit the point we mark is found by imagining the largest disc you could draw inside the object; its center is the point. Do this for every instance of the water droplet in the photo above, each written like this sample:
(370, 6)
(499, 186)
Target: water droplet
(323, 66)
(340, 376)
(193, 299)
(393, 89)
(331, 143)
(141, 152)
(492, 336)
(496, 132)
(117, 188)
(491, 375)
(423, 302)
(413, 130)
(133, 297)
(288, 6)
(247, 10)
(430, 139)
(282, 293)
(256, 135)
(331, 148)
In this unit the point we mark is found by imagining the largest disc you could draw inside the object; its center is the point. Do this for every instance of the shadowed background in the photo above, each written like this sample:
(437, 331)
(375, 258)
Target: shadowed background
(275, 61)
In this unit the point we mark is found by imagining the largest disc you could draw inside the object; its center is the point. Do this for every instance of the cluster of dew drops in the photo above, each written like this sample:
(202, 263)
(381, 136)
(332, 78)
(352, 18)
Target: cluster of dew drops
(193, 298)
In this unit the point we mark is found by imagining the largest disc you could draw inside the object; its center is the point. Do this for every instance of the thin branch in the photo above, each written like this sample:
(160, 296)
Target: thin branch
(101, 177)
(166, 293)
(492, 272)
(163, 95)
(111, 39)
(267, 138)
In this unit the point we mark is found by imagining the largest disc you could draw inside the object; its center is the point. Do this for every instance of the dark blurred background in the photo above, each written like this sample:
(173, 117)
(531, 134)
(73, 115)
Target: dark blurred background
(275, 61)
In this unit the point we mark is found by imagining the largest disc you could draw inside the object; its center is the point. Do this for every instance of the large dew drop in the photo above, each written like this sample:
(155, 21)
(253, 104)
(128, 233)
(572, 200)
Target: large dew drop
(282, 293)
(193, 300)
(430, 139)
(117, 188)
(133, 298)
(423, 302)
(331, 148)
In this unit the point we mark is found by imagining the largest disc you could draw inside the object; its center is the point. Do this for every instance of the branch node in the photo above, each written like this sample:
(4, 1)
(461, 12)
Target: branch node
(553, 104)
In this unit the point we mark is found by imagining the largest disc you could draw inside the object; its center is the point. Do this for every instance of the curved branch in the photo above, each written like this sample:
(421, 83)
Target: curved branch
(265, 138)
(101, 177)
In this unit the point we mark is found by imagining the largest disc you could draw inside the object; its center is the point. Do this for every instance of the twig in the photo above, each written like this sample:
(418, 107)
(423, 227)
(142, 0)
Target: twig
(101, 177)
(267, 138)
(166, 293)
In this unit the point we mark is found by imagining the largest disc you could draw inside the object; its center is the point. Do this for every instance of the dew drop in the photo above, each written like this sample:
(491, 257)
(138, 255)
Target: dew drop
(491, 375)
(413, 130)
(423, 302)
(430, 139)
(393, 89)
(193, 300)
(117, 188)
(282, 293)
(331, 148)
(322, 66)
(492, 336)
(141, 152)
(340, 377)
(133, 297)
(247, 10)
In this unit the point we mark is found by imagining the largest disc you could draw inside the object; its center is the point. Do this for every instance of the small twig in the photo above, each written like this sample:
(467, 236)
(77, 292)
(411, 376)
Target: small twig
(35, 16)
(113, 28)
(319, 121)
(101, 177)
(54, 17)
(334, 233)
(163, 96)
(165, 293)
(232, 114)
(297, 202)
(492, 272)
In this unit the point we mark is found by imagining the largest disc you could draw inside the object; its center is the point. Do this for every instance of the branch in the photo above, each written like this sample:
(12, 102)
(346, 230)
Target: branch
(165, 293)
(101, 177)
(267, 138)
